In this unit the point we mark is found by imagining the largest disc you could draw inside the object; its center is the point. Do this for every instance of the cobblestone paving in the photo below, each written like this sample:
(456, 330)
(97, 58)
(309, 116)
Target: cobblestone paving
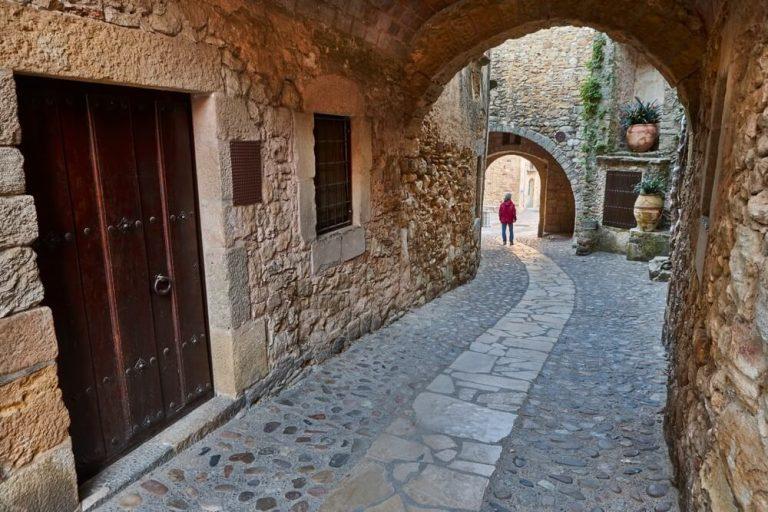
(590, 436)
(494, 397)
(440, 450)
(289, 452)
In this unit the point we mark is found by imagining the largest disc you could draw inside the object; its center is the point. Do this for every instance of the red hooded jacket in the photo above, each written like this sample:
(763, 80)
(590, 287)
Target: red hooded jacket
(507, 212)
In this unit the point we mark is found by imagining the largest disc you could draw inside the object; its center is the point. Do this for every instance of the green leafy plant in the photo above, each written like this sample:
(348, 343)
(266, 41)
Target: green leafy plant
(640, 113)
(591, 94)
(651, 186)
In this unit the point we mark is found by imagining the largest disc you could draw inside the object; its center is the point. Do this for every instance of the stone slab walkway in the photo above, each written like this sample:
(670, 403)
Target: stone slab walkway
(590, 437)
(434, 411)
(290, 452)
(440, 451)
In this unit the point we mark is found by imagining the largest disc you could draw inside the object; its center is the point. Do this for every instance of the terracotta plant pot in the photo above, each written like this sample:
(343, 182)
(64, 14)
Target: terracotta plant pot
(648, 210)
(642, 137)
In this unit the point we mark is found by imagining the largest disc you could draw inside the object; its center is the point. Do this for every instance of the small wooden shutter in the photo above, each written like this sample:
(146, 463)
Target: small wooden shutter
(246, 172)
(620, 199)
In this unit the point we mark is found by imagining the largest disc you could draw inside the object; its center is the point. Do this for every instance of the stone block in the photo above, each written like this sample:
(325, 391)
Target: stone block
(47, 484)
(26, 339)
(11, 170)
(20, 286)
(10, 131)
(33, 418)
(19, 224)
(251, 362)
(646, 245)
(660, 269)
(326, 252)
(352, 243)
(239, 357)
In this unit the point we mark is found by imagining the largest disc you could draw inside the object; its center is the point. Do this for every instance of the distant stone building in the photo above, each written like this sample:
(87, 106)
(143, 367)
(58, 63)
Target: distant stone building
(536, 96)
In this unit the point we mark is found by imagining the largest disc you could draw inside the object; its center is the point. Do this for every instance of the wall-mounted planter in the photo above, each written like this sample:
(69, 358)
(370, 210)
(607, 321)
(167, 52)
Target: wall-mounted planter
(642, 137)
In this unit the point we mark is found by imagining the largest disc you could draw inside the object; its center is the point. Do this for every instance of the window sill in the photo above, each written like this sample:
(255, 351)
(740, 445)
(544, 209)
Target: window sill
(336, 247)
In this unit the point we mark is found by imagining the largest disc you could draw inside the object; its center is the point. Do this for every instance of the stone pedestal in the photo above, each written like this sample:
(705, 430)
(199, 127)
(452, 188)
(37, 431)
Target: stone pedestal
(646, 245)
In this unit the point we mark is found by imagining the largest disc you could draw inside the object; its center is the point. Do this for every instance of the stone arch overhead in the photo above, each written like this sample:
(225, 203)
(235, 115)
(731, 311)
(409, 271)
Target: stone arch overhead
(544, 144)
(671, 34)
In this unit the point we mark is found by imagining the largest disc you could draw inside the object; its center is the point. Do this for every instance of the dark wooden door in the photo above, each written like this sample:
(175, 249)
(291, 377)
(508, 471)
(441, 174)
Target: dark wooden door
(112, 173)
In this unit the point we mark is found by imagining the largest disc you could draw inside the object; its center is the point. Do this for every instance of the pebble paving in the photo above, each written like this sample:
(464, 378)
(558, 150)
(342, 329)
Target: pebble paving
(497, 396)
(590, 437)
(289, 452)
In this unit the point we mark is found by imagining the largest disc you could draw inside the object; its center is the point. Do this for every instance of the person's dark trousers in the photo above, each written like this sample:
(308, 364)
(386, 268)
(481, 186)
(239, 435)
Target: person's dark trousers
(511, 233)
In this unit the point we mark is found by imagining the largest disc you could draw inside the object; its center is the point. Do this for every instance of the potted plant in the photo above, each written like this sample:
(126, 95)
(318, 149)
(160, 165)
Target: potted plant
(649, 203)
(641, 122)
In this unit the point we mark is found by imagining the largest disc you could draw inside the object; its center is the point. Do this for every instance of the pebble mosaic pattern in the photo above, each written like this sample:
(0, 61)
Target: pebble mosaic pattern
(589, 439)
(289, 452)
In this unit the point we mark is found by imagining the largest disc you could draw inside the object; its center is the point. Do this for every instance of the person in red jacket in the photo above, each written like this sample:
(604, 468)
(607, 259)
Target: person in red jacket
(507, 216)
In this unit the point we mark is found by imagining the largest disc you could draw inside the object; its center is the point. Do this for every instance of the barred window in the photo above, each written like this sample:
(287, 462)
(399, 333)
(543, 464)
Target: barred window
(333, 173)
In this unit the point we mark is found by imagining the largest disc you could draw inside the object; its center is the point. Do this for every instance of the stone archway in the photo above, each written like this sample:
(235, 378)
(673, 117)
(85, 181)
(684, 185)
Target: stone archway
(456, 32)
(559, 177)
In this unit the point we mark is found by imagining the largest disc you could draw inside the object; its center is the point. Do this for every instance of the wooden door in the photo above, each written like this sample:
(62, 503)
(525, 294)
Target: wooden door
(112, 173)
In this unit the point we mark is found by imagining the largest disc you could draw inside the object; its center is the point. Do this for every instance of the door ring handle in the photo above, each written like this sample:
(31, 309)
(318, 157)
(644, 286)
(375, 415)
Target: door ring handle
(162, 285)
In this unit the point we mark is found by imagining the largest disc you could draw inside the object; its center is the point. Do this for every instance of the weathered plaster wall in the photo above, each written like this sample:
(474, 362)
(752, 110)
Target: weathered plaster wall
(254, 69)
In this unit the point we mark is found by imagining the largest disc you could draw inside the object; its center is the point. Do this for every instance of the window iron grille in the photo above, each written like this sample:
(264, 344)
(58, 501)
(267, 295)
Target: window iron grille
(333, 173)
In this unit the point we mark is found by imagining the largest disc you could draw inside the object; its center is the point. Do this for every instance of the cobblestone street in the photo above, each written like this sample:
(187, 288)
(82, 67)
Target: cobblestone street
(537, 386)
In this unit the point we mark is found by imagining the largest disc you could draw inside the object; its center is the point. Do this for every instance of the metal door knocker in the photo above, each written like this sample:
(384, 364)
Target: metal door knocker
(162, 285)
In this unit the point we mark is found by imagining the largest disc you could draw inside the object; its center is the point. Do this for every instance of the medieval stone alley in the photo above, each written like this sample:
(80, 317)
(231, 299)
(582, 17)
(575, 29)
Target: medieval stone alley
(538, 386)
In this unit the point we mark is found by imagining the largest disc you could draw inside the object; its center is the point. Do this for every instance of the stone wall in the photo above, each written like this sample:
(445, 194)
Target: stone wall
(440, 191)
(256, 72)
(716, 329)
(537, 82)
(502, 176)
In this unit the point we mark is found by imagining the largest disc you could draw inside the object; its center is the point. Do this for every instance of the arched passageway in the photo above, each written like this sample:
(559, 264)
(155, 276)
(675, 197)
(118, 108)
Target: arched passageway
(519, 177)
(281, 297)
(557, 210)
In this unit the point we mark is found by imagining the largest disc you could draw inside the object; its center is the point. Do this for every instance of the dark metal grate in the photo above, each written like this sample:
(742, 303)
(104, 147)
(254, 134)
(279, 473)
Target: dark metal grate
(246, 172)
(618, 209)
(333, 173)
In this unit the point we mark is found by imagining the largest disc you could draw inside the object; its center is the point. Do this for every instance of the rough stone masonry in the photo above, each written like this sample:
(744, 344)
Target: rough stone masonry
(257, 69)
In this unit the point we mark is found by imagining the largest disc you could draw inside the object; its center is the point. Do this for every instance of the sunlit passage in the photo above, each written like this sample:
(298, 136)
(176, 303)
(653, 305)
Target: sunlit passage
(519, 177)
(384, 256)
